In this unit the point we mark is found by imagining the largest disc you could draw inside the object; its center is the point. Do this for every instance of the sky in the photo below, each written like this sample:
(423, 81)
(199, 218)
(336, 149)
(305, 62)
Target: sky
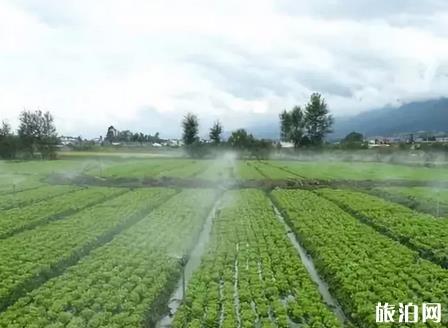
(143, 64)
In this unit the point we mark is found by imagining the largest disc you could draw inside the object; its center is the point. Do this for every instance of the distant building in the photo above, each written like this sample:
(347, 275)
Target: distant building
(66, 140)
(285, 144)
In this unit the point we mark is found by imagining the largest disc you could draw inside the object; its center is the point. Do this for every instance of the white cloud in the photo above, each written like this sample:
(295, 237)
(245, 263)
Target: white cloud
(143, 64)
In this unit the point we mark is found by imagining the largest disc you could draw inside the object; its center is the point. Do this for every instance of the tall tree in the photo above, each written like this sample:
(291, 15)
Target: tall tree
(190, 127)
(292, 126)
(240, 139)
(215, 132)
(5, 129)
(8, 142)
(353, 140)
(318, 121)
(111, 134)
(37, 131)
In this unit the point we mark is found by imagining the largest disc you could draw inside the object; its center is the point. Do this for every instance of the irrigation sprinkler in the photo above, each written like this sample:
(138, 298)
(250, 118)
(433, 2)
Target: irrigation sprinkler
(438, 205)
(183, 262)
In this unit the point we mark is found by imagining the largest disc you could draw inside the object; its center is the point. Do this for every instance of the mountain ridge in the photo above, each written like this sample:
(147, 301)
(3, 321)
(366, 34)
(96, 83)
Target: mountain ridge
(426, 115)
(412, 117)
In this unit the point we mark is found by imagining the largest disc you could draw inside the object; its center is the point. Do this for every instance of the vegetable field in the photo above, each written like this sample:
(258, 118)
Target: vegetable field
(89, 242)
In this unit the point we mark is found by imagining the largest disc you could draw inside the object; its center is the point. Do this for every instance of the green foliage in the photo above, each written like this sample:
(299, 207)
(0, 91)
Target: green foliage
(35, 210)
(240, 139)
(292, 126)
(246, 144)
(26, 197)
(35, 255)
(190, 126)
(306, 128)
(318, 121)
(248, 270)
(215, 132)
(124, 283)
(354, 140)
(38, 132)
(424, 233)
(361, 266)
(8, 142)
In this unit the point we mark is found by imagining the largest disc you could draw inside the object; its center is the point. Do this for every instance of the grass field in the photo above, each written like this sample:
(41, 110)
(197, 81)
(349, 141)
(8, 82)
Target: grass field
(253, 255)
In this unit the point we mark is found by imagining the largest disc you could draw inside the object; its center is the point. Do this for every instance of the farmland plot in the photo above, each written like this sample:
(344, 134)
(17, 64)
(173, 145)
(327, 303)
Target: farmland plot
(251, 275)
(427, 193)
(327, 170)
(424, 233)
(361, 266)
(246, 170)
(217, 170)
(26, 197)
(17, 219)
(154, 168)
(125, 282)
(32, 256)
(275, 172)
(425, 199)
(10, 183)
(135, 168)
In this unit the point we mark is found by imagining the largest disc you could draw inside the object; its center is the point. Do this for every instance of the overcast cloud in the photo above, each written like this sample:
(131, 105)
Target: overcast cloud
(142, 64)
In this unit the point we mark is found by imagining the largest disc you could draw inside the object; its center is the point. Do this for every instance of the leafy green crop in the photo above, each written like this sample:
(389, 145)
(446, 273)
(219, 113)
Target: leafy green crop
(32, 256)
(361, 266)
(26, 197)
(251, 275)
(18, 219)
(125, 282)
(424, 233)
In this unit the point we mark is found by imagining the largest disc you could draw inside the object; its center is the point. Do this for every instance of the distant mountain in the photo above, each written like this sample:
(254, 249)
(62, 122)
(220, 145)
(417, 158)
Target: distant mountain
(429, 115)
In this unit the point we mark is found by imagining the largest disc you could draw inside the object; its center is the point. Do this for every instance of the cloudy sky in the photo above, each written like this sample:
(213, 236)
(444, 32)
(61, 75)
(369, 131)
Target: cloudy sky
(142, 64)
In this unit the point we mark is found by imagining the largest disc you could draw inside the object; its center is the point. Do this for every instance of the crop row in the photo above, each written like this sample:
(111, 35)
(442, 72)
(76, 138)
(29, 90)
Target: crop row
(10, 183)
(217, 170)
(333, 170)
(275, 172)
(427, 193)
(18, 219)
(361, 266)
(188, 170)
(251, 275)
(424, 199)
(26, 197)
(125, 282)
(136, 168)
(30, 257)
(424, 233)
(143, 168)
(247, 170)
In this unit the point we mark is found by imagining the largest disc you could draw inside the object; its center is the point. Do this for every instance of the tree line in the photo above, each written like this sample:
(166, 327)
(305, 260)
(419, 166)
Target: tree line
(113, 135)
(303, 128)
(36, 134)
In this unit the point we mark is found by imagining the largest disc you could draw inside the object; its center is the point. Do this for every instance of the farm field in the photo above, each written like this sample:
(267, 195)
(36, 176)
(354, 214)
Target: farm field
(282, 246)
(362, 171)
(427, 199)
